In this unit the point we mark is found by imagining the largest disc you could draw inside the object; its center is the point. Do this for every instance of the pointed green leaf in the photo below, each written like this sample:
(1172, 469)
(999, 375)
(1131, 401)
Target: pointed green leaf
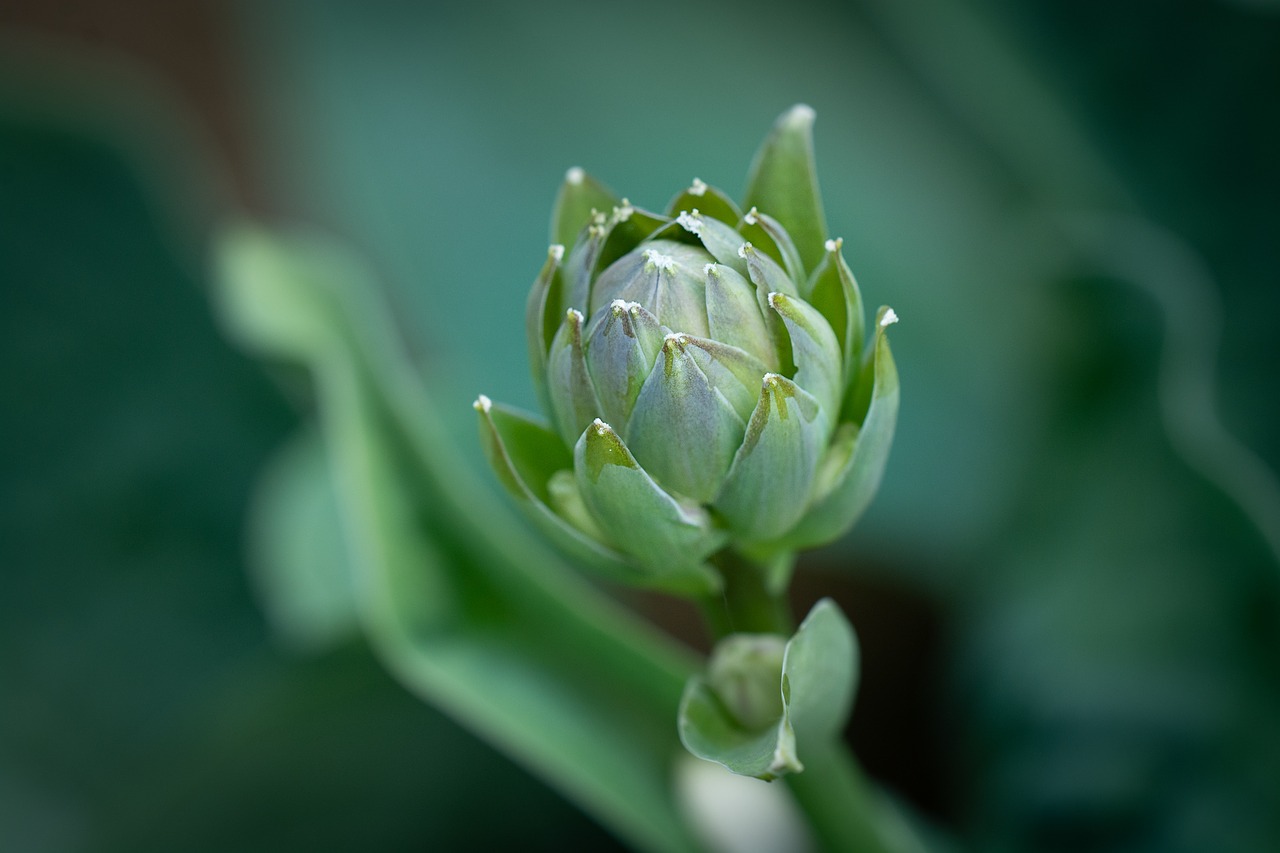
(784, 182)
(526, 456)
(834, 292)
(573, 399)
(683, 429)
(734, 316)
(815, 351)
(771, 478)
(541, 317)
(856, 483)
(768, 233)
(719, 239)
(710, 200)
(664, 536)
(579, 195)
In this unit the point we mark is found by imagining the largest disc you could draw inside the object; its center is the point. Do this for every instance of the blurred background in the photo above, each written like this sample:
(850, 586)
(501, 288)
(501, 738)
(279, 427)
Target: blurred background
(1068, 590)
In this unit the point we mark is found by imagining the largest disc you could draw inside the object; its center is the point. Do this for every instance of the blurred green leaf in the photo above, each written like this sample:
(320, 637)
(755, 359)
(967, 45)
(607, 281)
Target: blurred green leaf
(465, 610)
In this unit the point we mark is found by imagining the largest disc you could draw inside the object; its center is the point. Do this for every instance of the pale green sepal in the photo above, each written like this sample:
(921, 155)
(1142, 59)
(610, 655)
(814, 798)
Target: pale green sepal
(573, 399)
(683, 428)
(733, 372)
(734, 316)
(830, 516)
(525, 454)
(817, 683)
(708, 199)
(710, 733)
(667, 538)
(769, 235)
(622, 347)
(834, 292)
(771, 478)
(765, 272)
(667, 278)
(814, 350)
(541, 316)
(579, 195)
(719, 239)
(784, 182)
(820, 671)
(579, 267)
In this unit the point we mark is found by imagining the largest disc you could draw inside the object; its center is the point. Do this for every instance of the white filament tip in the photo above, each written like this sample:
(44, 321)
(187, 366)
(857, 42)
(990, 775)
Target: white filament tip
(556, 252)
(752, 216)
(890, 317)
(575, 175)
(697, 188)
(482, 404)
(690, 221)
(744, 248)
(834, 245)
(663, 262)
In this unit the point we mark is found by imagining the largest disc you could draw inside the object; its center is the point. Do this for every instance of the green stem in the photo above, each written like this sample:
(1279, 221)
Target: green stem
(844, 810)
(746, 604)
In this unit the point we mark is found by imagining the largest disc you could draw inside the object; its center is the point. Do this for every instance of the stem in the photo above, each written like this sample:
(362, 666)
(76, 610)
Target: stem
(746, 605)
(845, 811)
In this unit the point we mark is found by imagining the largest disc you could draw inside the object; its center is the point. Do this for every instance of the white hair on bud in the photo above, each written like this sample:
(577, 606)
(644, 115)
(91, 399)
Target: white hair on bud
(697, 188)
(834, 245)
(575, 175)
(744, 248)
(890, 317)
(482, 404)
(666, 263)
(556, 252)
(690, 221)
(751, 217)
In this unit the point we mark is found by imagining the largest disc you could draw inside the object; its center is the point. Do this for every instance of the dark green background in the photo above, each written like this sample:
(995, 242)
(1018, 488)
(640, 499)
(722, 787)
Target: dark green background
(1105, 671)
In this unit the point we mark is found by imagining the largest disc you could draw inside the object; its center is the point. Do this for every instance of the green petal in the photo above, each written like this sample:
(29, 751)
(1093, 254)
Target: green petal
(734, 317)
(540, 321)
(771, 478)
(733, 372)
(666, 278)
(710, 200)
(664, 536)
(854, 485)
(621, 351)
(719, 239)
(579, 195)
(815, 351)
(526, 455)
(573, 399)
(768, 233)
(579, 267)
(682, 427)
(834, 292)
(784, 182)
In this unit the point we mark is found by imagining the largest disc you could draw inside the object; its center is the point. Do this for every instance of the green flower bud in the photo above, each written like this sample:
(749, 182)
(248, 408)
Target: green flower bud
(745, 672)
(703, 371)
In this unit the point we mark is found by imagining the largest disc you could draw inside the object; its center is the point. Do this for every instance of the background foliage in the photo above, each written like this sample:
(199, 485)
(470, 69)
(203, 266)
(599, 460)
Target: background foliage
(1067, 204)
